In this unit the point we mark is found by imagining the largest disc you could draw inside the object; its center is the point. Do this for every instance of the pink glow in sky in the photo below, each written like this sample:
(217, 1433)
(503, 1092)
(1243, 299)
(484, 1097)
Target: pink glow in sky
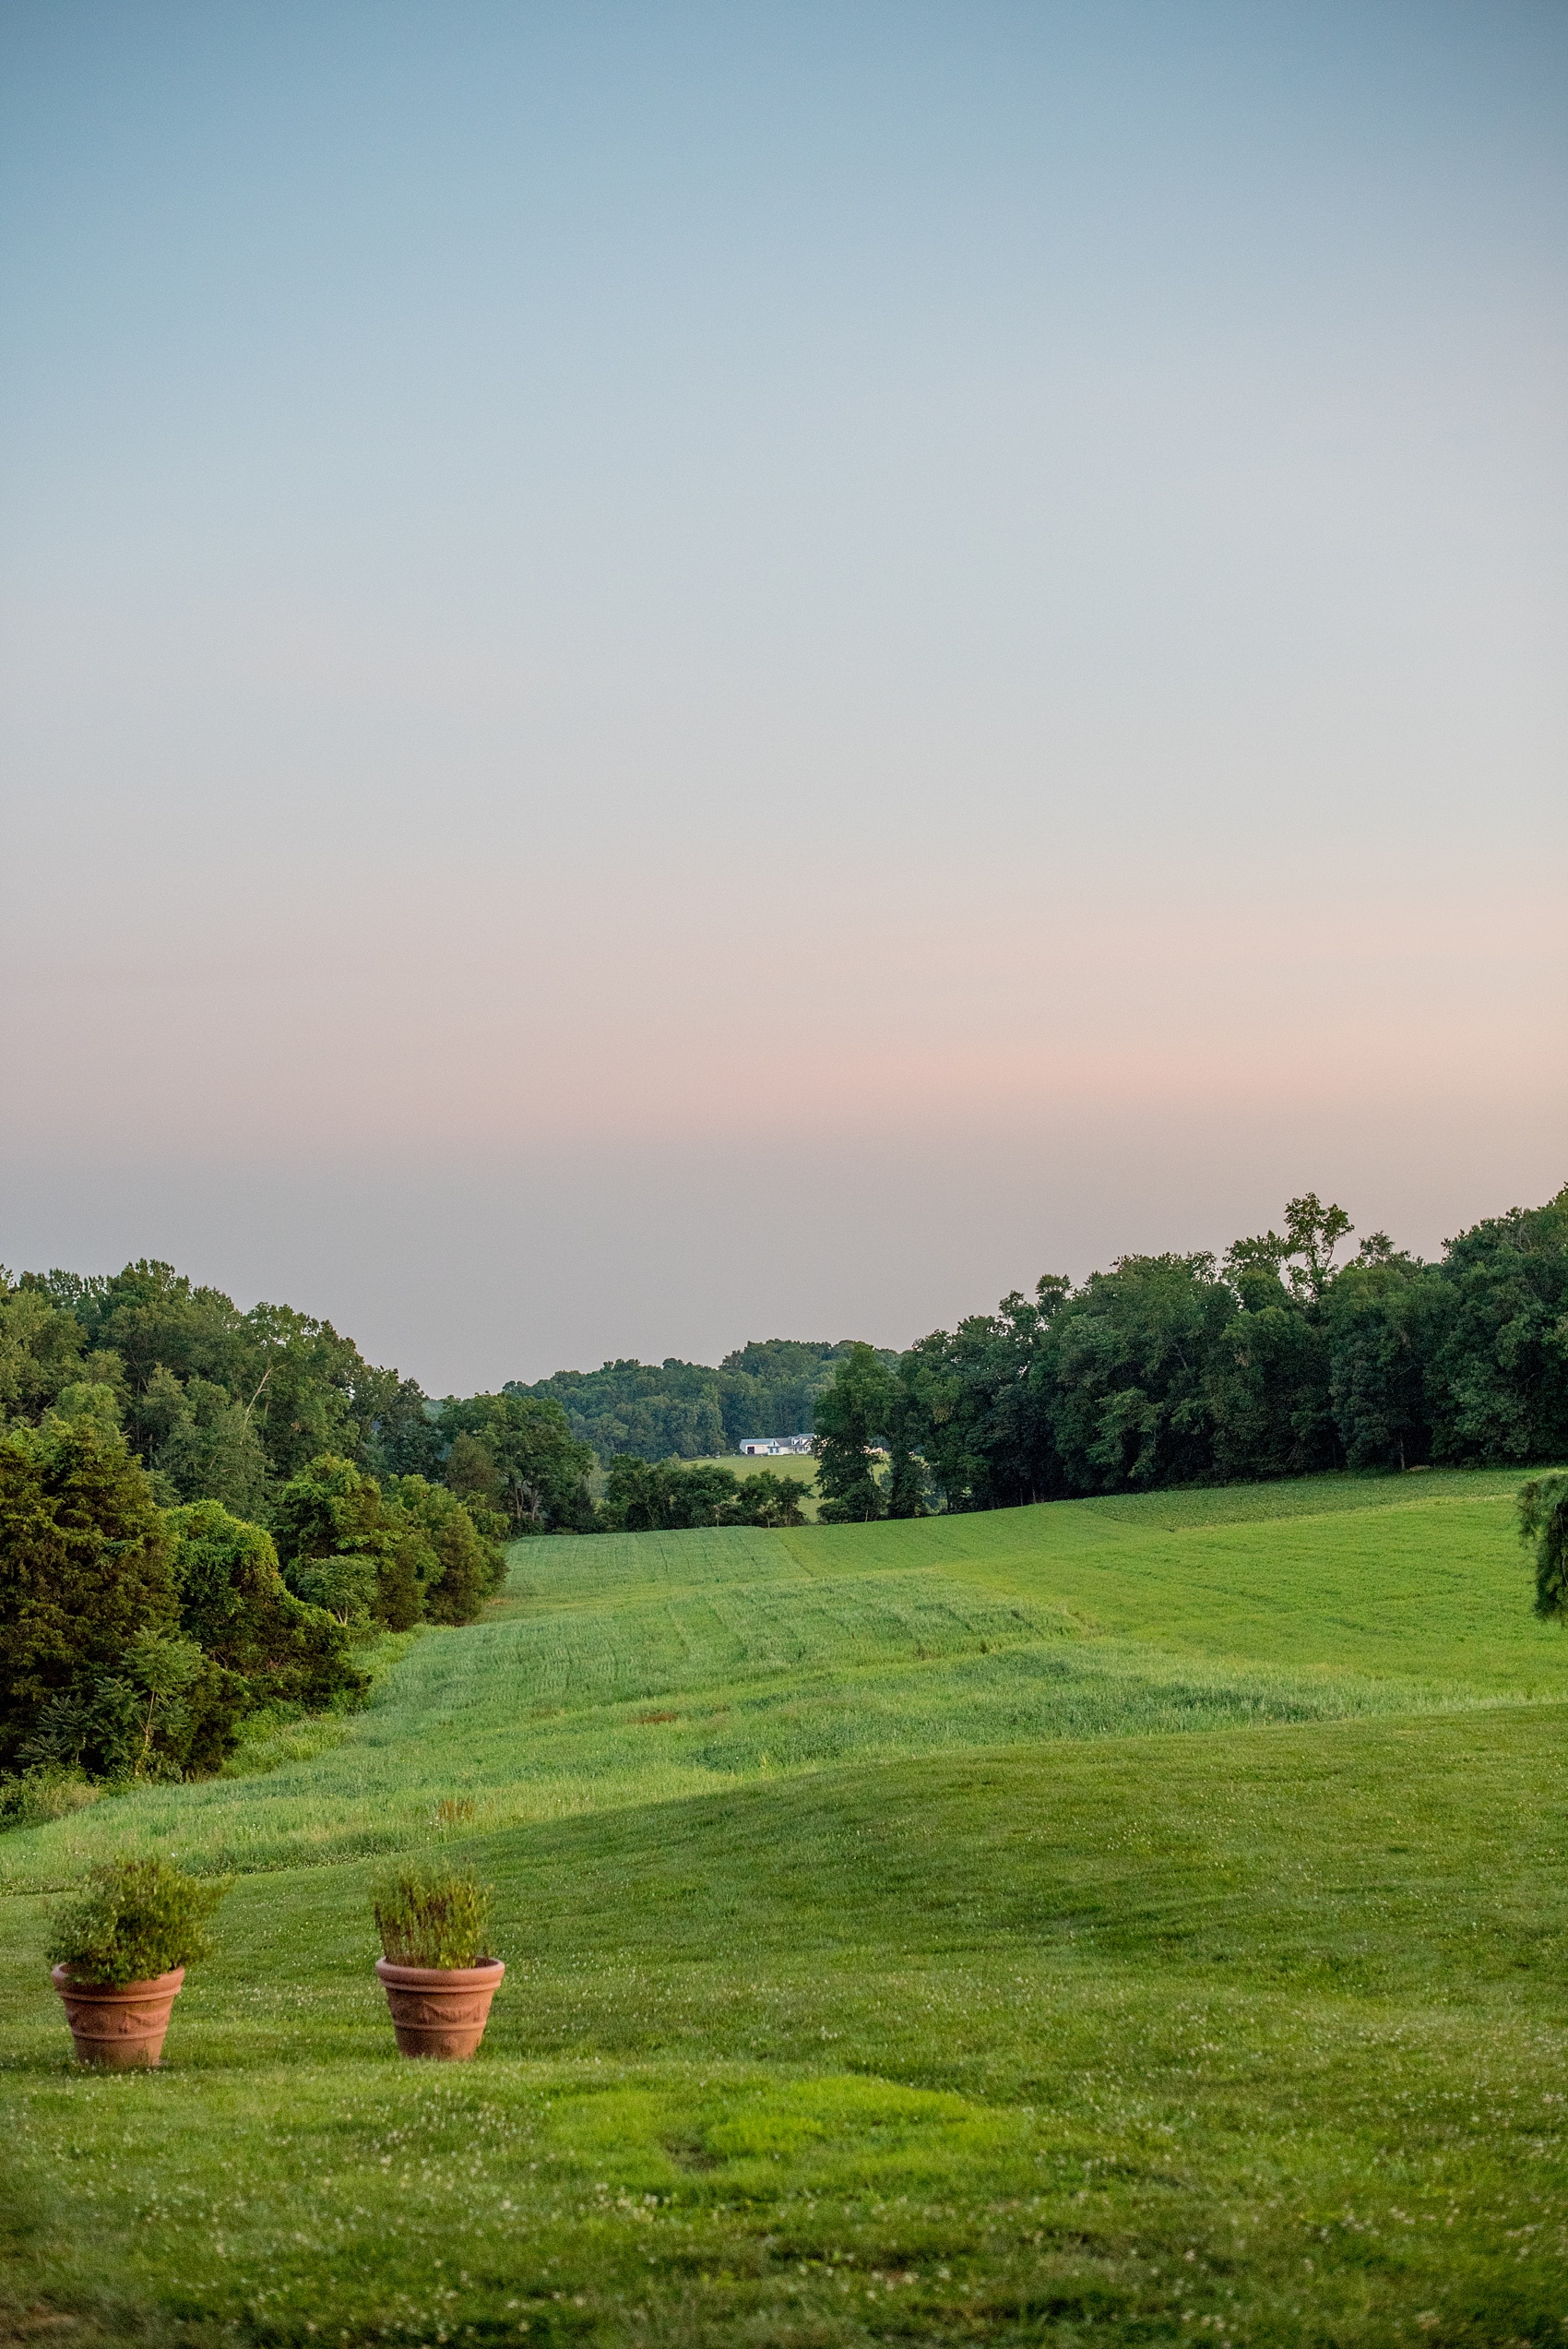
(674, 674)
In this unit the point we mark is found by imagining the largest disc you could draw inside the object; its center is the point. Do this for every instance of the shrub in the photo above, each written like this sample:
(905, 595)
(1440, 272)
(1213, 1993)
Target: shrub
(767, 1499)
(331, 1515)
(432, 1916)
(42, 1795)
(136, 1919)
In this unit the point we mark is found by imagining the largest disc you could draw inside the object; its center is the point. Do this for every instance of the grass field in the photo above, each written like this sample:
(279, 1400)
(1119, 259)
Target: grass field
(1130, 1921)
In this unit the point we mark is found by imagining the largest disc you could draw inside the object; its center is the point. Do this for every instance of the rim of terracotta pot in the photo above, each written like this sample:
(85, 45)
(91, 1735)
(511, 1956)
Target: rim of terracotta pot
(151, 1985)
(489, 1970)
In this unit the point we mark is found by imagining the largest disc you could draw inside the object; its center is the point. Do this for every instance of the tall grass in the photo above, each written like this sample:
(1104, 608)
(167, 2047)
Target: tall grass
(739, 1656)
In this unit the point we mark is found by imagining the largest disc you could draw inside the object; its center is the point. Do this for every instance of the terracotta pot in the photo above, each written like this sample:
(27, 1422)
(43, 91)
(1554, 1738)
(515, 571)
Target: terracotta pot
(440, 2011)
(119, 2023)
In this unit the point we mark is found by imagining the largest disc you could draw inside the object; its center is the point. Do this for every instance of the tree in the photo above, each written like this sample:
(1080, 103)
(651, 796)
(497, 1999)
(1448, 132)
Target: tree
(668, 1496)
(1380, 1318)
(976, 1406)
(92, 1402)
(1266, 1381)
(1129, 1359)
(162, 1667)
(1543, 1524)
(42, 1351)
(767, 1499)
(223, 1405)
(204, 1443)
(83, 1570)
(651, 1409)
(540, 1471)
(469, 1563)
(853, 1419)
(664, 1496)
(1498, 1379)
(472, 1470)
(660, 1410)
(332, 1515)
(403, 1439)
(1304, 1258)
(234, 1603)
(770, 1386)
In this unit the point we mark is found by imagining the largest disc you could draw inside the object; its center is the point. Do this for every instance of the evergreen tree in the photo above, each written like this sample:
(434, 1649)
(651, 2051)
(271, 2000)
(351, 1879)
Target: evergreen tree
(84, 1571)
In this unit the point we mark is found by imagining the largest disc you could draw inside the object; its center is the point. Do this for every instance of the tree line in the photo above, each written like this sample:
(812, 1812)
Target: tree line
(1277, 1359)
(221, 1404)
(138, 1639)
(204, 1511)
(686, 1411)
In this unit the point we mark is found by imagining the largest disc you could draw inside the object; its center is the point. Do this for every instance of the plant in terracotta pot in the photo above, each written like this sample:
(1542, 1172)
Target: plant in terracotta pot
(438, 1977)
(120, 1950)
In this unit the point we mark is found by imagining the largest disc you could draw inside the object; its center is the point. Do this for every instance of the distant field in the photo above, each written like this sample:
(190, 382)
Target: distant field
(1139, 1921)
(800, 1465)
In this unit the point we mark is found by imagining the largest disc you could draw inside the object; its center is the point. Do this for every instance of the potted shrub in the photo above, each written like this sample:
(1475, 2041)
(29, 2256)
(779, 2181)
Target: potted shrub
(121, 1949)
(438, 1978)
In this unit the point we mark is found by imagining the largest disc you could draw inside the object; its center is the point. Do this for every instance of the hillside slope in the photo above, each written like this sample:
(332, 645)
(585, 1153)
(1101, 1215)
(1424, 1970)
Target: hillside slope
(649, 1667)
(1124, 1920)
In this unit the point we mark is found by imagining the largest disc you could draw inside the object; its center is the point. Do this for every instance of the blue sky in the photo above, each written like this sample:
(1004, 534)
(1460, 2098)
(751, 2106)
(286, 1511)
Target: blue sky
(680, 672)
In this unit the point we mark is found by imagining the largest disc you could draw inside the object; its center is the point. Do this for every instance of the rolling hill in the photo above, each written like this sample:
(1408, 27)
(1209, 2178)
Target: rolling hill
(1132, 1920)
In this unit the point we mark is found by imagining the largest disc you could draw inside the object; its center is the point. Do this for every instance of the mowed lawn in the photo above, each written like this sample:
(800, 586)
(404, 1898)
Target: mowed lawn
(1135, 1920)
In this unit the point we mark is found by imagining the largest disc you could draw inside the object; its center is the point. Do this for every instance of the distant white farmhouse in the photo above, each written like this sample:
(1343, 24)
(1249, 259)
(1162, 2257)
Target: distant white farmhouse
(771, 1447)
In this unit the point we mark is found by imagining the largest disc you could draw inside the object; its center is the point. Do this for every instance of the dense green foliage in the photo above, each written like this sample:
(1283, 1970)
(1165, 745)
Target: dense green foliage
(683, 1409)
(135, 1641)
(432, 1916)
(662, 1497)
(235, 1606)
(233, 1407)
(865, 1412)
(1184, 1370)
(153, 1441)
(1275, 1361)
(85, 1583)
(396, 1558)
(516, 1454)
(1136, 1919)
(135, 1920)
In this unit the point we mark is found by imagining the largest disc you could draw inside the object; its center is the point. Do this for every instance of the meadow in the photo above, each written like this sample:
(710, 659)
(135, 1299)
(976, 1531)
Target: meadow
(1137, 1920)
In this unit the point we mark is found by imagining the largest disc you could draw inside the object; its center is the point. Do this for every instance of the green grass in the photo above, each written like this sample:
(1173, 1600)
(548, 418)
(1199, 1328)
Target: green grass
(1134, 1921)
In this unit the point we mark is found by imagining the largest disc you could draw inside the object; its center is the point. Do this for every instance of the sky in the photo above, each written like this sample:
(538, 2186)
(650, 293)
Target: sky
(672, 673)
